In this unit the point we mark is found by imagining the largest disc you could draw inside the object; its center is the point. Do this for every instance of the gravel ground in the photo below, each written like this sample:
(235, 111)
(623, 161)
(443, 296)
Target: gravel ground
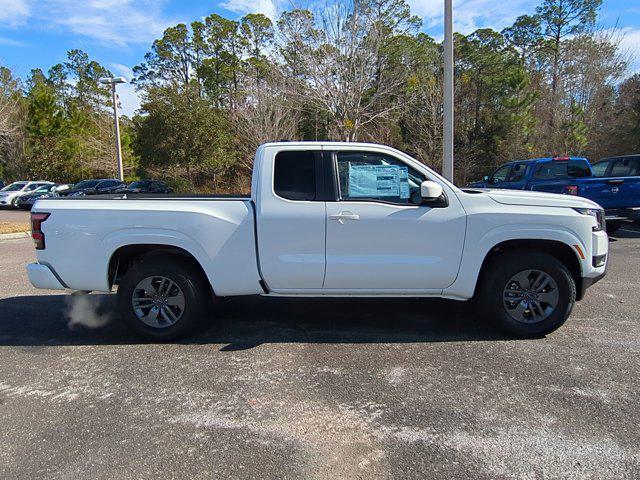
(10, 215)
(321, 389)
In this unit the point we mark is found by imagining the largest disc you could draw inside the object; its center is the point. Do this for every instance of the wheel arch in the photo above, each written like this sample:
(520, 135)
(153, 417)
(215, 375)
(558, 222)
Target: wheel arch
(124, 257)
(565, 253)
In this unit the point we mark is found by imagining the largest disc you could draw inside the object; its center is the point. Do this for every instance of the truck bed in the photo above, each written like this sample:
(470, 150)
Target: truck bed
(83, 233)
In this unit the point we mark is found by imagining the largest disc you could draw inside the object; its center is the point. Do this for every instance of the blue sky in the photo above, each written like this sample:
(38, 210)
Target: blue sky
(118, 33)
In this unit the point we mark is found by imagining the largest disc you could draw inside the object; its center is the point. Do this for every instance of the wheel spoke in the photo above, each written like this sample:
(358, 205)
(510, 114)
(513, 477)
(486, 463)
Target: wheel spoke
(511, 294)
(519, 310)
(550, 297)
(541, 282)
(147, 285)
(142, 300)
(176, 301)
(171, 317)
(522, 279)
(152, 316)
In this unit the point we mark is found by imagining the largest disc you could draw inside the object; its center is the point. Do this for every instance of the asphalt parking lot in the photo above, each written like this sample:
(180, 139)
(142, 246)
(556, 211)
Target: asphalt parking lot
(321, 389)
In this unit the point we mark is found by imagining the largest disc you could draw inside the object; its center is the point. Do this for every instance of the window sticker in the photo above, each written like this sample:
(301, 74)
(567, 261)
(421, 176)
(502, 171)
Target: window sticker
(378, 181)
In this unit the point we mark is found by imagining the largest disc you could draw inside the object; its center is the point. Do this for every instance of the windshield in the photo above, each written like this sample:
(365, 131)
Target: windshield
(87, 184)
(140, 184)
(14, 187)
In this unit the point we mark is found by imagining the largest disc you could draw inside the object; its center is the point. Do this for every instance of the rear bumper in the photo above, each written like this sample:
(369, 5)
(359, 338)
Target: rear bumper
(42, 276)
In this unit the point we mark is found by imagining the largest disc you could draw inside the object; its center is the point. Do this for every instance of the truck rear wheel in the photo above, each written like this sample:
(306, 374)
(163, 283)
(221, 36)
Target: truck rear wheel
(528, 293)
(163, 298)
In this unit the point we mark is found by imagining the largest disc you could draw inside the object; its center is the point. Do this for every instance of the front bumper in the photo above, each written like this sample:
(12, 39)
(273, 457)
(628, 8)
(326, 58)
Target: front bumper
(43, 277)
(595, 267)
(587, 282)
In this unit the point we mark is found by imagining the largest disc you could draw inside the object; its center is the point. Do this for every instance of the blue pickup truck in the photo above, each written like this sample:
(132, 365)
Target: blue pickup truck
(615, 187)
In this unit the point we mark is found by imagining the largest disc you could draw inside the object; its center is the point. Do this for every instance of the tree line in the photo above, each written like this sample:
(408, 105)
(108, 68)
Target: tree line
(553, 83)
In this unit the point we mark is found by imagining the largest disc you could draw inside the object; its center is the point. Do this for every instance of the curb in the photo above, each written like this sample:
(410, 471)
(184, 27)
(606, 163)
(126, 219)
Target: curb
(12, 236)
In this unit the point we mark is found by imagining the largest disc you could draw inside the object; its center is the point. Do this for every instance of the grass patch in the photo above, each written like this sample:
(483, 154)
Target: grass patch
(14, 227)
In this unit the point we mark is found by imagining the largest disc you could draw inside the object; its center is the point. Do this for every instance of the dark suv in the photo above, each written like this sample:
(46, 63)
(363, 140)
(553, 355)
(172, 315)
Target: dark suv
(146, 186)
(94, 187)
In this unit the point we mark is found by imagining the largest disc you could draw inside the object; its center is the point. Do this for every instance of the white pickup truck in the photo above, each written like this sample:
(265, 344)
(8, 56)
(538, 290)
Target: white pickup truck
(326, 219)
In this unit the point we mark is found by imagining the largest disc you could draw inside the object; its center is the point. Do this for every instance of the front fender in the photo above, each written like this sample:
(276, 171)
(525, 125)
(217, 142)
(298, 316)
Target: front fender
(473, 256)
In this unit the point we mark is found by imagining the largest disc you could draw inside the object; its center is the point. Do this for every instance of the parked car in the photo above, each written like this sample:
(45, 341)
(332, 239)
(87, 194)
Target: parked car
(10, 194)
(326, 219)
(27, 200)
(619, 197)
(146, 186)
(94, 187)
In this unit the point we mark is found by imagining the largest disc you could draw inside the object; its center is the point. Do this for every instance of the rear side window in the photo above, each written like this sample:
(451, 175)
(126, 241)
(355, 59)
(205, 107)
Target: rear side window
(551, 170)
(561, 169)
(578, 168)
(294, 176)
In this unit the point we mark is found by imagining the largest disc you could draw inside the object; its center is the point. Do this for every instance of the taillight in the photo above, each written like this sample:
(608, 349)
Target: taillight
(561, 159)
(36, 229)
(571, 190)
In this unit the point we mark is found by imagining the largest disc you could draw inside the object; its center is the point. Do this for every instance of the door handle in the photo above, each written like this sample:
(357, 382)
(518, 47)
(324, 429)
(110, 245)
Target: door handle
(615, 182)
(342, 216)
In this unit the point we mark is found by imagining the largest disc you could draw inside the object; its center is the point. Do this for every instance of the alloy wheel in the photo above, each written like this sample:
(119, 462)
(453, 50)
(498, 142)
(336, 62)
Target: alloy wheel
(158, 301)
(530, 296)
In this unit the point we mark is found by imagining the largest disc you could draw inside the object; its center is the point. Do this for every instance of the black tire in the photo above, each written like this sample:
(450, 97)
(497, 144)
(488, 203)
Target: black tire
(613, 226)
(192, 283)
(499, 273)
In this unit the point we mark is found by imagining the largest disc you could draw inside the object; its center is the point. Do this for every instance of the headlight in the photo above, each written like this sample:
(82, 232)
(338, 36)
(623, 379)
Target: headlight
(597, 214)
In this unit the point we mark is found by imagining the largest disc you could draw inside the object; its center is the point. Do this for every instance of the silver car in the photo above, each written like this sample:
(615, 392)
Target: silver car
(10, 194)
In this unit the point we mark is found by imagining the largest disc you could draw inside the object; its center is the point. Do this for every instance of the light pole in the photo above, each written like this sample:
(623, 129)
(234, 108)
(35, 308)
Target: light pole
(447, 160)
(113, 81)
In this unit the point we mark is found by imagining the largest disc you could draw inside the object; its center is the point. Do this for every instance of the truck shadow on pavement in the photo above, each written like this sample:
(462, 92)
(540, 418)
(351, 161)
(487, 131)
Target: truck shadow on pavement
(245, 322)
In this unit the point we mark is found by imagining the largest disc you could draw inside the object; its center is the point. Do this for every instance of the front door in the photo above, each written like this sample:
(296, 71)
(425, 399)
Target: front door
(379, 235)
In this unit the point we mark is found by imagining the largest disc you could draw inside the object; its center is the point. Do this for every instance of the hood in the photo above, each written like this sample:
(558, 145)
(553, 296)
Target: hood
(538, 199)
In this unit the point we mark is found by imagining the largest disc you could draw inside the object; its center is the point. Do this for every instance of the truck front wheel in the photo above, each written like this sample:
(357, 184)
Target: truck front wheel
(163, 298)
(528, 293)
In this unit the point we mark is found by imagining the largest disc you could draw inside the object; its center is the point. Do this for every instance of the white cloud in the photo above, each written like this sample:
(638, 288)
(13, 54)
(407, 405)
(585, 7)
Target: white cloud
(266, 7)
(110, 22)
(13, 12)
(129, 99)
(630, 45)
(469, 15)
(123, 70)
(11, 42)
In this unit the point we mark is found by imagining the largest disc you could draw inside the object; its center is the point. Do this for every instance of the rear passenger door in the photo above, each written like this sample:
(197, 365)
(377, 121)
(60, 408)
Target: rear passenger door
(290, 216)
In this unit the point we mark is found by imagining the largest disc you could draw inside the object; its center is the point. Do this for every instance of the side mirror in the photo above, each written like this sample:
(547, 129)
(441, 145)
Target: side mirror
(485, 178)
(430, 190)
